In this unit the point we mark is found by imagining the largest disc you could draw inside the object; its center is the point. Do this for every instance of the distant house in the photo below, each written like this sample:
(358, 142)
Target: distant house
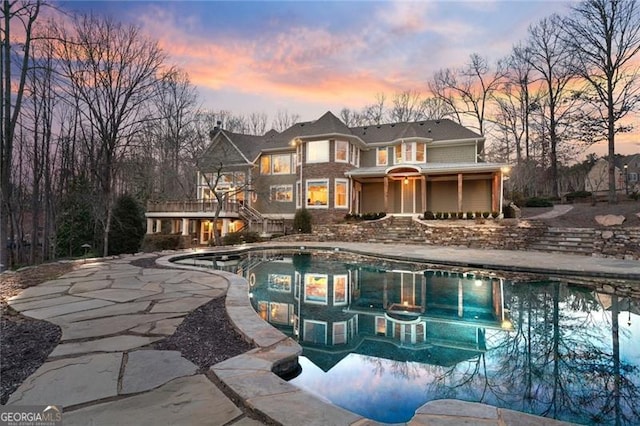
(627, 170)
(331, 169)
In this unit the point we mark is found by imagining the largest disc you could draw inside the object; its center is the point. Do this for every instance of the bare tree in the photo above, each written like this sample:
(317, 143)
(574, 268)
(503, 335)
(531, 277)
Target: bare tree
(468, 90)
(605, 36)
(284, 120)
(552, 59)
(406, 106)
(12, 87)
(111, 71)
(436, 109)
(257, 123)
(374, 113)
(176, 107)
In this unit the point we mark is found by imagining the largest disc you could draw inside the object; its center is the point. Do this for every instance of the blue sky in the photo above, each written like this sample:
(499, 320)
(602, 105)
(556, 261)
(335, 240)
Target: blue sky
(308, 57)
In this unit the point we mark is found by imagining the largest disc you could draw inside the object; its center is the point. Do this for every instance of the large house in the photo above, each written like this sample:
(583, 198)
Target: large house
(331, 170)
(626, 171)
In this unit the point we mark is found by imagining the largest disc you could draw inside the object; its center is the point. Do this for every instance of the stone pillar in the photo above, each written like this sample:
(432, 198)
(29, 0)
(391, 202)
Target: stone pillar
(495, 193)
(225, 227)
(185, 226)
(149, 226)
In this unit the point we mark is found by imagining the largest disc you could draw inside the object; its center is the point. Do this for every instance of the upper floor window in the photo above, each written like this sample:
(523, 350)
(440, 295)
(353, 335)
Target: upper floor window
(281, 164)
(410, 152)
(633, 177)
(381, 157)
(318, 152)
(355, 155)
(342, 151)
(277, 164)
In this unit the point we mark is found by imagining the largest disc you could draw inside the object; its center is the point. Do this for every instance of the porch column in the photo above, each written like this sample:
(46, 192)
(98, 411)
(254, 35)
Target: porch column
(459, 192)
(225, 227)
(423, 187)
(386, 194)
(495, 195)
(149, 226)
(158, 225)
(185, 226)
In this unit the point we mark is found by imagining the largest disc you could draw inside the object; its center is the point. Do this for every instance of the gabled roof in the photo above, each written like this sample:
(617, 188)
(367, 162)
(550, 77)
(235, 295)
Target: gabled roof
(436, 130)
(243, 148)
(329, 125)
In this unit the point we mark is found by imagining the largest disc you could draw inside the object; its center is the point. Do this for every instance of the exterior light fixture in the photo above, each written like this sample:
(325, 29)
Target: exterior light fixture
(406, 181)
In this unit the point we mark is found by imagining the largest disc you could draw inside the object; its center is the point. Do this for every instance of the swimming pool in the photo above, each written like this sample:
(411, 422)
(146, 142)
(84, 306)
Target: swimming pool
(382, 338)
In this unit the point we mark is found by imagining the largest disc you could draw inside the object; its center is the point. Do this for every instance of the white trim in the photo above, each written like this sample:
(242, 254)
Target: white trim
(346, 332)
(284, 185)
(328, 156)
(346, 290)
(335, 151)
(316, 302)
(304, 327)
(335, 193)
(378, 163)
(306, 187)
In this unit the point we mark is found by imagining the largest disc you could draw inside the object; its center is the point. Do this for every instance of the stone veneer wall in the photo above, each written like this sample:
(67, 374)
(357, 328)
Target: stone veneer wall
(507, 234)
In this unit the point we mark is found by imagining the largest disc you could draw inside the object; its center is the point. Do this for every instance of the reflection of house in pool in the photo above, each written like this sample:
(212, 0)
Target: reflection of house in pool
(335, 308)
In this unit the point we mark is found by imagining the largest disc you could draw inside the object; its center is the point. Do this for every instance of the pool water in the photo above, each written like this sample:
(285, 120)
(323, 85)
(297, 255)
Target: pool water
(383, 338)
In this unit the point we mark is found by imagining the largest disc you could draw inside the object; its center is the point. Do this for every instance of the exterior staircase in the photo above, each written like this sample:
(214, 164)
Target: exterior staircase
(398, 229)
(566, 240)
(256, 222)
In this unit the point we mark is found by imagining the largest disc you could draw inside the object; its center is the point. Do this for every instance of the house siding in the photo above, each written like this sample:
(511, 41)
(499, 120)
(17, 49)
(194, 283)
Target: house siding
(451, 154)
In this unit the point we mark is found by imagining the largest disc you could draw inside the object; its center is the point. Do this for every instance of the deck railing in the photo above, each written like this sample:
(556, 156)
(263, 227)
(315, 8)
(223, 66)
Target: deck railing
(191, 206)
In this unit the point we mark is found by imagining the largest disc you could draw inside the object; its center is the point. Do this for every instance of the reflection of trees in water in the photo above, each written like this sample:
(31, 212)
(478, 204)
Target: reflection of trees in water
(562, 361)
(398, 369)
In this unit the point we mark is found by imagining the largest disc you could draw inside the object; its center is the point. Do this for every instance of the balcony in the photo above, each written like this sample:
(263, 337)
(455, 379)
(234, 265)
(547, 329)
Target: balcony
(198, 206)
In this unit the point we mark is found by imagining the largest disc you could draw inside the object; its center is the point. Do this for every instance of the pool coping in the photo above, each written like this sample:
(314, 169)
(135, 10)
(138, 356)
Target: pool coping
(251, 377)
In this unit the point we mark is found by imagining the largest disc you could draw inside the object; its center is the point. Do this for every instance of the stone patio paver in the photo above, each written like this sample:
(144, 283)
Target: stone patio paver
(184, 401)
(108, 344)
(71, 381)
(148, 369)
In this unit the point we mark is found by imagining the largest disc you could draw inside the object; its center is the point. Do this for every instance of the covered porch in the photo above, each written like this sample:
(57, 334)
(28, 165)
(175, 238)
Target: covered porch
(410, 190)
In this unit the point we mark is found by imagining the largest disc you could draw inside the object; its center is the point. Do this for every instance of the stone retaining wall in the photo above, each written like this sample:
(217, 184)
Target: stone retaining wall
(507, 234)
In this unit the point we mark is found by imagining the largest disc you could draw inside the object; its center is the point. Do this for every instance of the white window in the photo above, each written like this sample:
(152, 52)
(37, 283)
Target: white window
(341, 194)
(381, 157)
(281, 164)
(342, 151)
(339, 333)
(265, 165)
(315, 332)
(282, 193)
(318, 152)
(318, 193)
(355, 156)
(316, 288)
(398, 154)
(339, 290)
(411, 152)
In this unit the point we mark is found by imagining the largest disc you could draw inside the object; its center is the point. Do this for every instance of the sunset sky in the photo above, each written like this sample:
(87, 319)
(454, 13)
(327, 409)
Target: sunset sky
(310, 57)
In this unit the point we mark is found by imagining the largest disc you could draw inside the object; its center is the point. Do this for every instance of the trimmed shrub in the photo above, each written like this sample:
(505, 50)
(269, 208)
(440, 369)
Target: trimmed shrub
(578, 195)
(460, 215)
(159, 242)
(469, 215)
(478, 214)
(486, 214)
(302, 221)
(428, 215)
(438, 215)
(538, 202)
(373, 216)
(495, 214)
